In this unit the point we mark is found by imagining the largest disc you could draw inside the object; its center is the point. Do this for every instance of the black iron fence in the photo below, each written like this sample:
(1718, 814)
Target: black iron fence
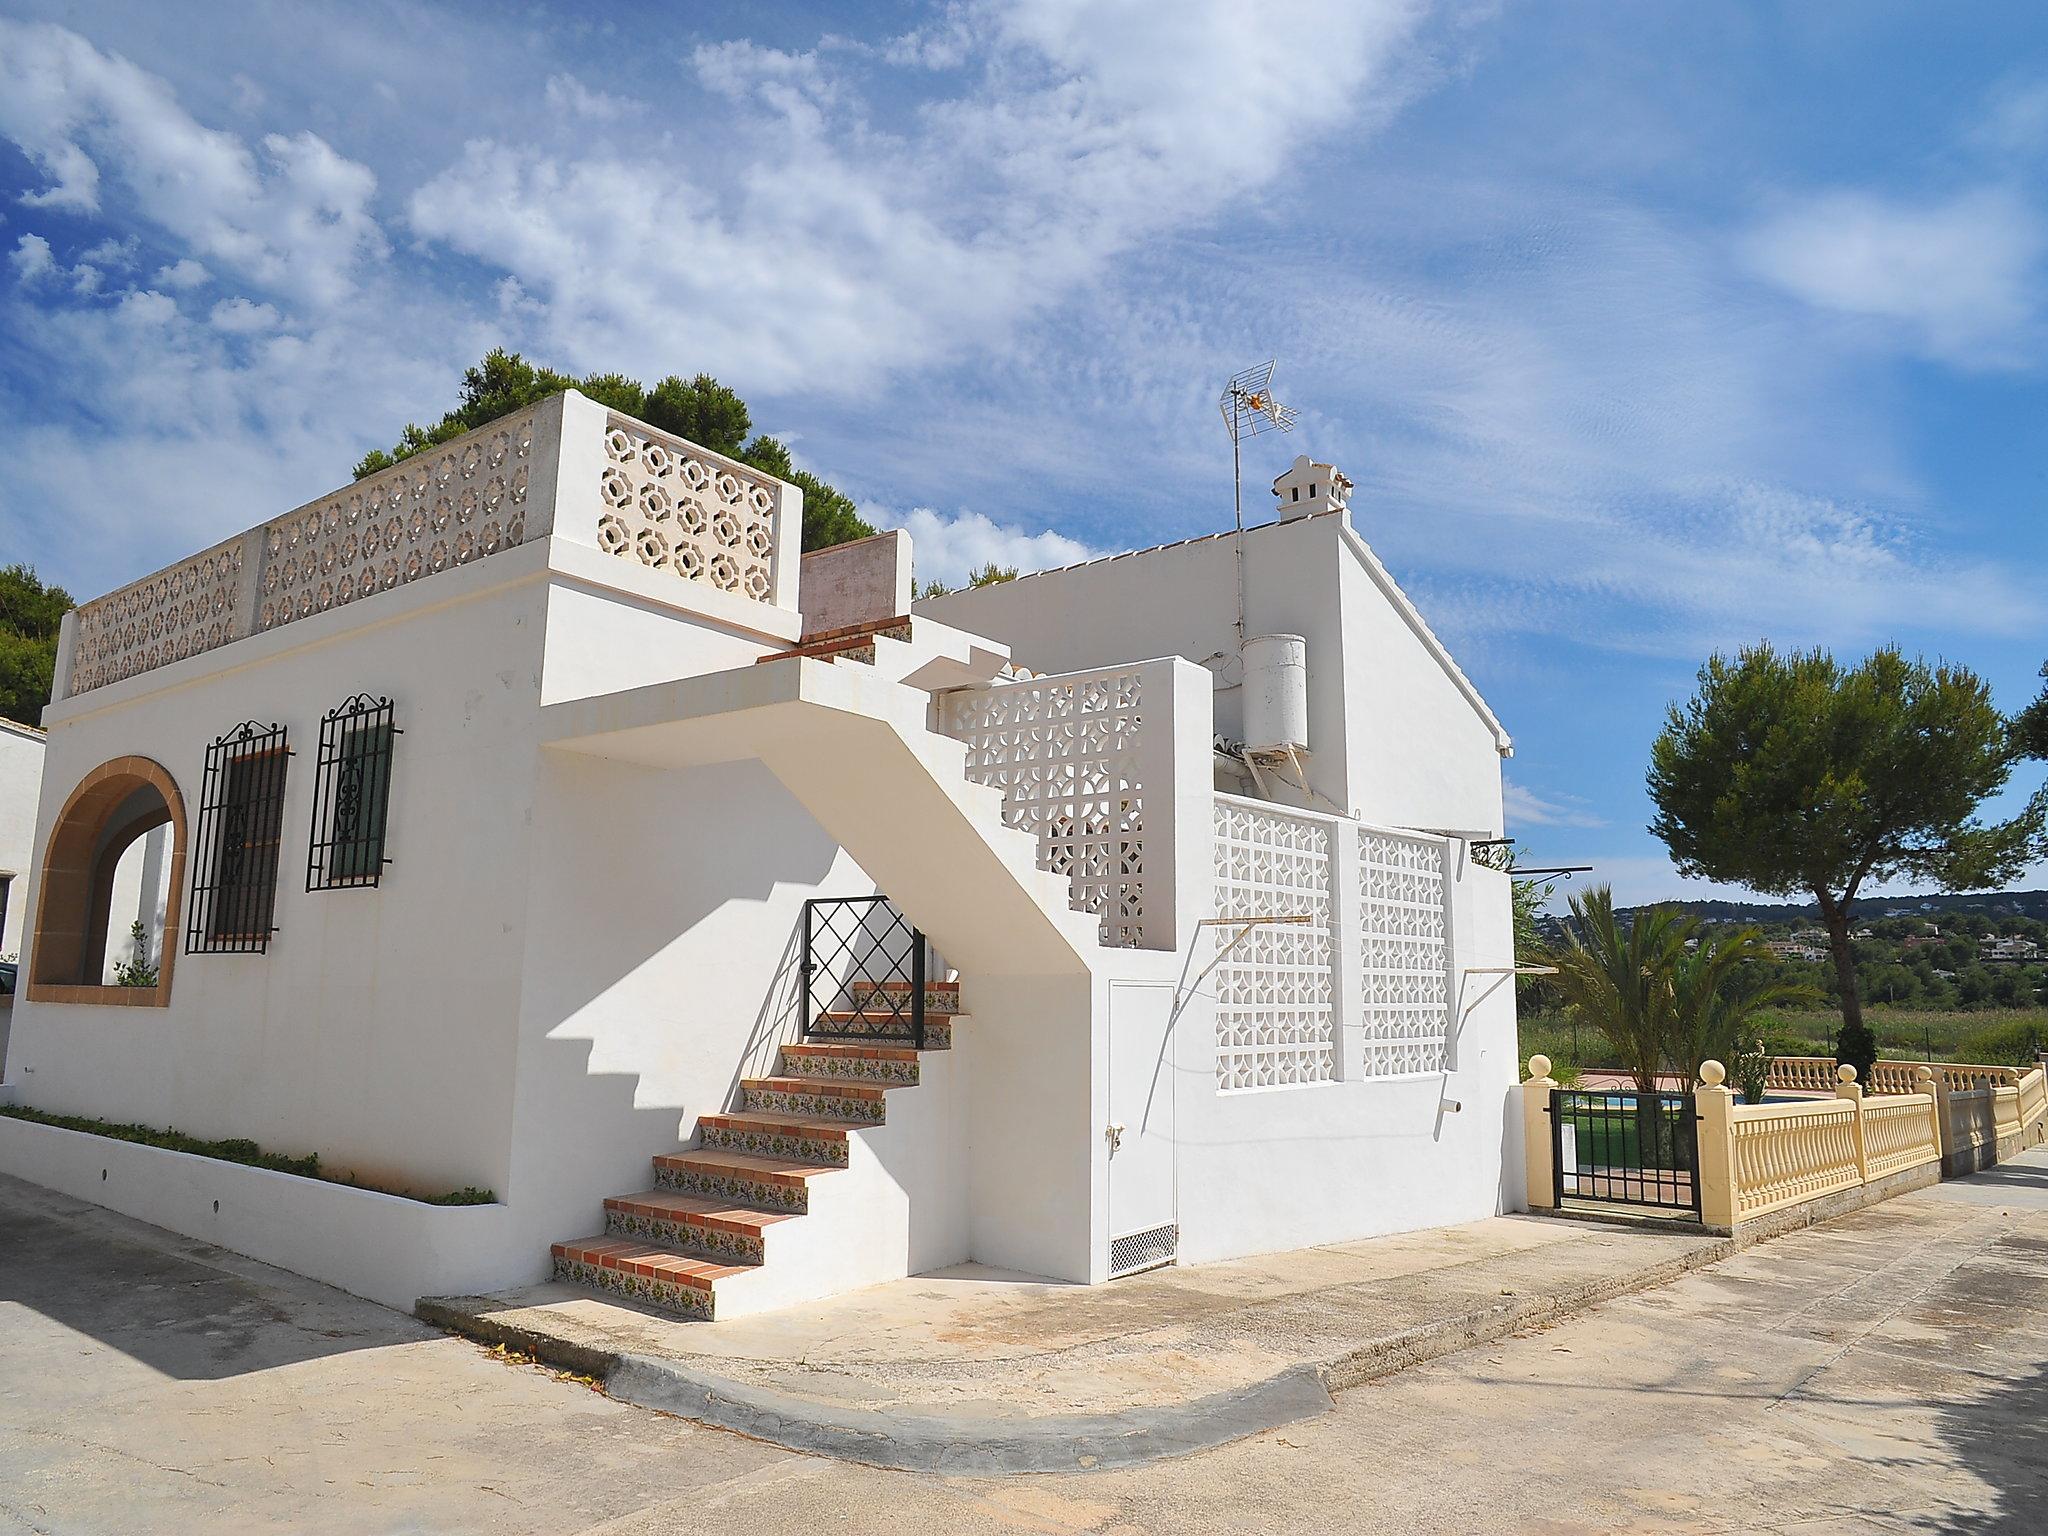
(862, 972)
(1625, 1147)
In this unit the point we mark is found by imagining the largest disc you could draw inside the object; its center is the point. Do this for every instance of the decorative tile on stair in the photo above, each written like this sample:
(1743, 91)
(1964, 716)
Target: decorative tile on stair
(769, 1135)
(837, 1061)
(859, 1102)
(693, 1224)
(641, 1273)
(772, 1183)
(939, 996)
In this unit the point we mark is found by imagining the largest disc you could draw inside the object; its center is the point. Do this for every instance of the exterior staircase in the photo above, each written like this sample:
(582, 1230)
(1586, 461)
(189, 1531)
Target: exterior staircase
(708, 1225)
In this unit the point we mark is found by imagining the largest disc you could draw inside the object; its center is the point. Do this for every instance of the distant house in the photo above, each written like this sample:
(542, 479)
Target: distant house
(1795, 949)
(2008, 951)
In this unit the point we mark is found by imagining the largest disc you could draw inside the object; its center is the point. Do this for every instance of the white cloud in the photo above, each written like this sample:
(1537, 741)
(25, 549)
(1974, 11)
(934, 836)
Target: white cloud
(828, 251)
(32, 260)
(298, 222)
(1527, 808)
(949, 548)
(1960, 276)
(110, 252)
(572, 98)
(242, 317)
(182, 274)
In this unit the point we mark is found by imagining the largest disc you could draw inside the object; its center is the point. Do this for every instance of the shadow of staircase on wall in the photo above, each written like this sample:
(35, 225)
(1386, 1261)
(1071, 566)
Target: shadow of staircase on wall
(711, 1217)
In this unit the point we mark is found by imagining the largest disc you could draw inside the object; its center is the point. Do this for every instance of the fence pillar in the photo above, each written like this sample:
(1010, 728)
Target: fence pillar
(1944, 1121)
(1715, 1106)
(1536, 1135)
(1924, 1081)
(1846, 1087)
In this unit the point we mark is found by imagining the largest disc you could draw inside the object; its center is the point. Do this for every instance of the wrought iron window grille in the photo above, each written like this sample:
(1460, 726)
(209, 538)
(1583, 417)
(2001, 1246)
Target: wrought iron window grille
(351, 795)
(240, 835)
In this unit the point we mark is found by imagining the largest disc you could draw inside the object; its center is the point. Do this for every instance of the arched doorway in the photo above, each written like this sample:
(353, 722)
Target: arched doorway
(113, 807)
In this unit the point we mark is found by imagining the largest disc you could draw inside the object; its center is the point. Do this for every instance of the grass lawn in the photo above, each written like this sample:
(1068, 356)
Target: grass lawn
(2003, 1036)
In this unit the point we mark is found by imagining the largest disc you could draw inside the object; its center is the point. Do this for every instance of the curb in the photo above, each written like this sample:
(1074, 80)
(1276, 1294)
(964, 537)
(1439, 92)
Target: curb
(978, 1444)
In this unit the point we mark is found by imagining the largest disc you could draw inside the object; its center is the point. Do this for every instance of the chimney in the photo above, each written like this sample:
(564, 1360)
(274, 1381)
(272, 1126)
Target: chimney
(1309, 487)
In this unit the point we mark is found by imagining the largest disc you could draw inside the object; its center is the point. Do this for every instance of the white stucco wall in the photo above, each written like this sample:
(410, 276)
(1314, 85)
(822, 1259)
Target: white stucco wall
(21, 779)
(1263, 1170)
(377, 1030)
(1394, 738)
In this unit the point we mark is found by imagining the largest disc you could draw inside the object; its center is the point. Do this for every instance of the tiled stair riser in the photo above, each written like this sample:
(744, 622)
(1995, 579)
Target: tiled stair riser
(824, 1151)
(881, 1029)
(685, 1299)
(848, 1069)
(741, 1190)
(939, 996)
(688, 1237)
(823, 1103)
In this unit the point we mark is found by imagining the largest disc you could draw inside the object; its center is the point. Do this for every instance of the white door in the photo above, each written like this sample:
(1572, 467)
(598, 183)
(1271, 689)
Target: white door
(1142, 1229)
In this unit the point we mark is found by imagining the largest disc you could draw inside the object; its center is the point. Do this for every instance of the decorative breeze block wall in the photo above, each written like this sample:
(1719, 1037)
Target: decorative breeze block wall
(442, 507)
(675, 507)
(1064, 752)
(1404, 926)
(1276, 1019)
(179, 612)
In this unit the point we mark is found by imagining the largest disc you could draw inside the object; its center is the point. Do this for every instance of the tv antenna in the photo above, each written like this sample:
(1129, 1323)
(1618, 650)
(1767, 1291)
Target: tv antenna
(1248, 409)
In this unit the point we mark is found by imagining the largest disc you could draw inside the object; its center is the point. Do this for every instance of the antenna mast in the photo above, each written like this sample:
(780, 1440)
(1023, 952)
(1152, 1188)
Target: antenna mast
(1248, 409)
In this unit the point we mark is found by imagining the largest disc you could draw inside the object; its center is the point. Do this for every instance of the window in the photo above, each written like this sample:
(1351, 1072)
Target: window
(241, 823)
(6, 886)
(351, 795)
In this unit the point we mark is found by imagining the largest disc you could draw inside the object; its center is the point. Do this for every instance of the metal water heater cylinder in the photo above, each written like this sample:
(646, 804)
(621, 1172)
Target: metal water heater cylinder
(1276, 693)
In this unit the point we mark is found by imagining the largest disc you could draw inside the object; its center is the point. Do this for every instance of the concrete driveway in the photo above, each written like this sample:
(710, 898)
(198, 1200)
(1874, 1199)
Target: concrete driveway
(1887, 1371)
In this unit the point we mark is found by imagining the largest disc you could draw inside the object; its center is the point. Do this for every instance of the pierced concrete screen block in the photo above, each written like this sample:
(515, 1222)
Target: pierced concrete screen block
(441, 508)
(1064, 752)
(1276, 1022)
(674, 507)
(161, 619)
(1402, 897)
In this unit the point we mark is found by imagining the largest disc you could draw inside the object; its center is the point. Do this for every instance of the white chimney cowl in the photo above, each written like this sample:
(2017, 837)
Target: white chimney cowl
(1311, 487)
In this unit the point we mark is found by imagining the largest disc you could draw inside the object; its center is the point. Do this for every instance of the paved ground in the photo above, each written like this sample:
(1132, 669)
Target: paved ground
(972, 1370)
(1887, 1371)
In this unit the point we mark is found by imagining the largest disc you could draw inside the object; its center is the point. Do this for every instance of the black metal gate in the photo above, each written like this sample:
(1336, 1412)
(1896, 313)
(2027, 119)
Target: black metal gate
(863, 972)
(1621, 1146)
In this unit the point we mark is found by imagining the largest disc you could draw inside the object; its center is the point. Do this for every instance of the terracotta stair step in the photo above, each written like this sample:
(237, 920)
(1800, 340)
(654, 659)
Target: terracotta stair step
(778, 1183)
(650, 1259)
(823, 1087)
(940, 996)
(822, 1126)
(850, 1050)
(829, 1061)
(698, 1210)
(896, 628)
(777, 1170)
(701, 1226)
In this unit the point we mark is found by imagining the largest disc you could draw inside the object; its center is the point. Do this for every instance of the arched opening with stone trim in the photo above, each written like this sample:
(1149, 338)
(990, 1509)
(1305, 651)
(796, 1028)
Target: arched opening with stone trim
(114, 806)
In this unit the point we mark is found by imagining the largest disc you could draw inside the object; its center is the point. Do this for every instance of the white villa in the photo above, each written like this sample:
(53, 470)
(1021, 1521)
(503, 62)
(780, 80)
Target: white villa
(532, 822)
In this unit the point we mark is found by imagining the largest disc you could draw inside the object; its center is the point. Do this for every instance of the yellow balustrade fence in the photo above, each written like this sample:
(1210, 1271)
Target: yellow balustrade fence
(2033, 1096)
(1816, 1074)
(1899, 1132)
(1756, 1159)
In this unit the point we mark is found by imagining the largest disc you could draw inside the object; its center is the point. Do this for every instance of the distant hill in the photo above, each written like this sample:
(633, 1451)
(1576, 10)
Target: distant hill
(1991, 904)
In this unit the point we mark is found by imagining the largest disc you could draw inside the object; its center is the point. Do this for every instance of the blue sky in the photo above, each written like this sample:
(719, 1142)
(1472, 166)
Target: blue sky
(1642, 330)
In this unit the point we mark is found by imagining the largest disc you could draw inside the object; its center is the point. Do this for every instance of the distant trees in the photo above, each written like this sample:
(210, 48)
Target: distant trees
(700, 409)
(989, 575)
(30, 613)
(1665, 992)
(1787, 772)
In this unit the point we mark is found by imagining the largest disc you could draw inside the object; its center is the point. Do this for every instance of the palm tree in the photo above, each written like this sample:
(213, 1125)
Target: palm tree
(1718, 987)
(1623, 981)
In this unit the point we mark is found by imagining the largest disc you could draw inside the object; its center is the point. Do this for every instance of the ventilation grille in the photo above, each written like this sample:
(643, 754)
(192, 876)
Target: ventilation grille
(1143, 1250)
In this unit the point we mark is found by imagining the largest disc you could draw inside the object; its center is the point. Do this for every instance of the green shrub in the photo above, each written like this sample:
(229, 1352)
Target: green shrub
(233, 1149)
(2011, 1043)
